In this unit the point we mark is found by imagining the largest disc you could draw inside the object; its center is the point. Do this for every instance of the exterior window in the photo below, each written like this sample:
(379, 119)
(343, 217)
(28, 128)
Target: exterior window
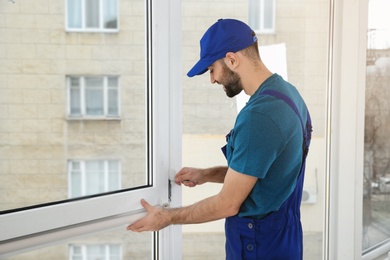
(262, 15)
(93, 177)
(92, 15)
(95, 252)
(93, 97)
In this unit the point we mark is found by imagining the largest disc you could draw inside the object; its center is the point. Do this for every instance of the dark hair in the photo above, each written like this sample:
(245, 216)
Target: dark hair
(252, 51)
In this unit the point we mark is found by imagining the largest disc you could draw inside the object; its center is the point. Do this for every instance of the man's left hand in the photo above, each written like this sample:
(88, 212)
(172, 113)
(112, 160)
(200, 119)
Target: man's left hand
(157, 218)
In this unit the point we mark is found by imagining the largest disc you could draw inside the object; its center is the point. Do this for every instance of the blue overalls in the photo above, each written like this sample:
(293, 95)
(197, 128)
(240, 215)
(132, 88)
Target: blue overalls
(279, 235)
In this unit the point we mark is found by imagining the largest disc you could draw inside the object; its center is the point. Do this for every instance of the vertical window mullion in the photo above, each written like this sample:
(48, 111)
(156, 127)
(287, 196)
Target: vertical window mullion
(83, 178)
(106, 176)
(69, 90)
(105, 96)
(118, 93)
(101, 15)
(82, 97)
(107, 252)
(83, 15)
(70, 179)
(119, 173)
(84, 250)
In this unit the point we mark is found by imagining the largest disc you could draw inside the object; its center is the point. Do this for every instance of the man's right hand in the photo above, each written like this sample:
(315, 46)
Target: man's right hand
(189, 177)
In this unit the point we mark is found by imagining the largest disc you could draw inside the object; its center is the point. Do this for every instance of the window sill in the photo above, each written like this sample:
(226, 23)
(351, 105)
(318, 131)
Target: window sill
(69, 118)
(113, 31)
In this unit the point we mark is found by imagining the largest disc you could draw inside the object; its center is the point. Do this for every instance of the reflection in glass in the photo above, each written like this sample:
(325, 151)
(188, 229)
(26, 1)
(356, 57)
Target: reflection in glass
(376, 194)
(117, 244)
(110, 14)
(113, 96)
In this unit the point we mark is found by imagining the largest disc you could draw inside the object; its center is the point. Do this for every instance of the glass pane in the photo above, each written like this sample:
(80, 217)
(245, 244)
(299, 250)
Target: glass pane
(113, 102)
(297, 51)
(39, 61)
(113, 175)
(268, 14)
(94, 251)
(117, 244)
(94, 96)
(376, 194)
(76, 184)
(110, 9)
(94, 172)
(92, 13)
(114, 250)
(75, 97)
(254, 14)
(74, 13)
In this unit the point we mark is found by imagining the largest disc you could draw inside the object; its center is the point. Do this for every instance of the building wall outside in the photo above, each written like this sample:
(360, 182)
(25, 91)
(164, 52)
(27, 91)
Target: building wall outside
(37, 138)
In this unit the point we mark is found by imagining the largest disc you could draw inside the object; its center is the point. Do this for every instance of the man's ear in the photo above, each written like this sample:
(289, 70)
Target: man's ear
(231, 60)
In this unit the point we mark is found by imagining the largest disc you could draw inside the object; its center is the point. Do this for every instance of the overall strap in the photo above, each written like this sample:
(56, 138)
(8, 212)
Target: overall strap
(306, 128)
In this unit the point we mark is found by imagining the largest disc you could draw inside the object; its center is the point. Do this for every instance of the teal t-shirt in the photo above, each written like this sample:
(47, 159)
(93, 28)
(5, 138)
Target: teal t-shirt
(266, 142)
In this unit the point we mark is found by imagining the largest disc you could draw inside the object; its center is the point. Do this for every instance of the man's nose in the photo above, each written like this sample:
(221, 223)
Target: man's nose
(212, 79)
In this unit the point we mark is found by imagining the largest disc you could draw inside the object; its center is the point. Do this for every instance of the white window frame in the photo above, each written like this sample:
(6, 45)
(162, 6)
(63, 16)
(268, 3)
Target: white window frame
(83, 173)
(345, 130)
(83, 27)
(32, 228)
(84, 251)
(83, 106)
(261, 17)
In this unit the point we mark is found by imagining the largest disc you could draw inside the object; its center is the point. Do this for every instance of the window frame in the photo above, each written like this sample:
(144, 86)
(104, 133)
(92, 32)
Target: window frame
(84, 173)
(83, 27)
(84, 247)
(261, 17)
(345, 133)
(83, 105)
(42, 225)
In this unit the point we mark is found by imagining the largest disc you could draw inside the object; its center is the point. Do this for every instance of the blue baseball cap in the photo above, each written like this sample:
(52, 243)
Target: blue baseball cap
(226, 35)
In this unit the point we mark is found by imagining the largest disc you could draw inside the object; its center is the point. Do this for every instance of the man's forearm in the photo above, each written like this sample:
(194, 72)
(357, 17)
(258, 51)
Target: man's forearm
(206, 210)
(215, 174)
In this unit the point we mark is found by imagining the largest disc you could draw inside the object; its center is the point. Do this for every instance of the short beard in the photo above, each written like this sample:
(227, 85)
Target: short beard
(231, 81)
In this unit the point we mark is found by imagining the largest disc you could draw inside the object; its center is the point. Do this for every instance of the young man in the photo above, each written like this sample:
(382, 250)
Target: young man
(266, 151)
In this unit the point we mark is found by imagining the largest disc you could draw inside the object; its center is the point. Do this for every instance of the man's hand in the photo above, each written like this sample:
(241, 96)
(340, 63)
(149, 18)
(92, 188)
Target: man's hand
(189, 177)
(194, 176)
(156, 219)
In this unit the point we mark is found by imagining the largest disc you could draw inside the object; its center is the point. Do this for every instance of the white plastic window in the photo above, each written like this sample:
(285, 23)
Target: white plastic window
(262, 15)
(92, 15)
(94, 97)
(146, 141)
(95, 252)
(94, 176)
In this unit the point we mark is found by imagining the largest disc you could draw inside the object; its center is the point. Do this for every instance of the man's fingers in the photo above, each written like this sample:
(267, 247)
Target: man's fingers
(189, 183)
(145, 204)
(135, 229)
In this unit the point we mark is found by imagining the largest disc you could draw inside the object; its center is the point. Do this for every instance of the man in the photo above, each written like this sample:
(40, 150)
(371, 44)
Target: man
(265, 152)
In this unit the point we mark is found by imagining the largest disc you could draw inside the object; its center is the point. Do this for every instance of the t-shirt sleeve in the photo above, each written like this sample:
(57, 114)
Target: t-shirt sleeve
(256, 143)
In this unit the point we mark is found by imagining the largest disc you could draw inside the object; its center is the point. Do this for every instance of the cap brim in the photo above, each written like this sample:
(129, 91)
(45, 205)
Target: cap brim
(200, 67)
